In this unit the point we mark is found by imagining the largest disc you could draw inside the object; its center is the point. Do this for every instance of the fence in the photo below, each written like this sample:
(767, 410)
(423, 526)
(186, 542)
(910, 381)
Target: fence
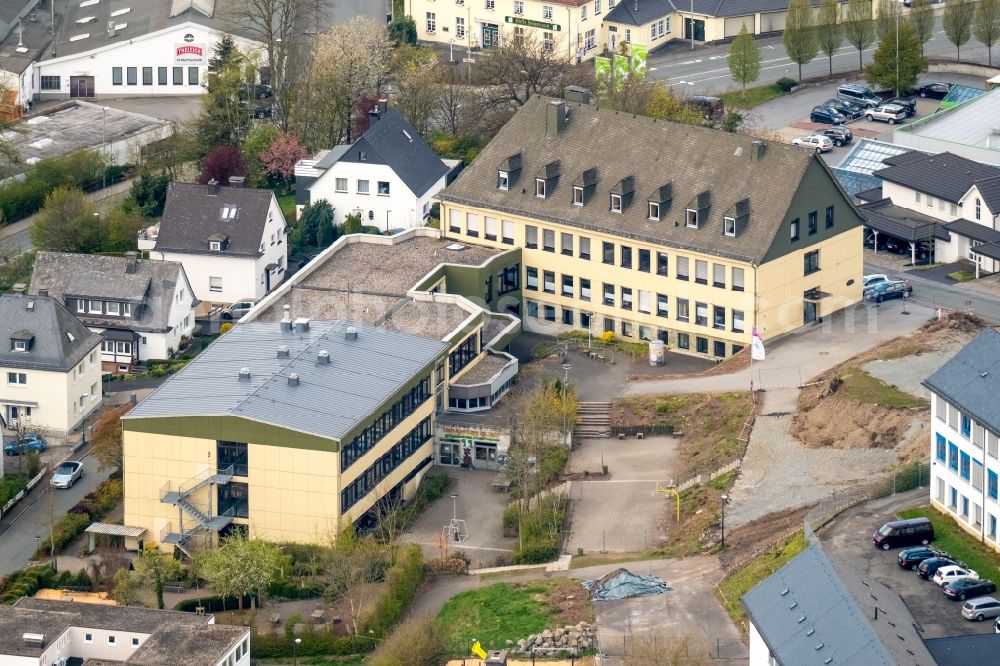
(705, 478)
(633, 431)
(27, 489)
(682, 649)
(913, 476)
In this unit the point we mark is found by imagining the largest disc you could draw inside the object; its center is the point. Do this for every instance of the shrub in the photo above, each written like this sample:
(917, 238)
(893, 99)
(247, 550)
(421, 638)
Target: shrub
(288, 589)
(315, 643)
(26, 582)
(785, 84)
(540, 531)
(449, 566)
(91, 508)
(510, 516)
(11, 485)
(213, 604)
(68, 528)
(402, 579)
(225, 328)
(415, 642)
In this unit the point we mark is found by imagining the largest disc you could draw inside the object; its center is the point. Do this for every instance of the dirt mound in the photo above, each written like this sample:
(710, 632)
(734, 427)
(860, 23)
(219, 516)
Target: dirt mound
(847, 424)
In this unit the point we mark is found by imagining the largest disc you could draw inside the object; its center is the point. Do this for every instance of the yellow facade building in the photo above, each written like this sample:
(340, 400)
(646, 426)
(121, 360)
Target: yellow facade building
(654, 230)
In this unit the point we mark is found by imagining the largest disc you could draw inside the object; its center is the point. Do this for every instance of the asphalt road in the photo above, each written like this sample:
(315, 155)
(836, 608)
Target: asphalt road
(939, 295)
(31, 516)
(705, 71)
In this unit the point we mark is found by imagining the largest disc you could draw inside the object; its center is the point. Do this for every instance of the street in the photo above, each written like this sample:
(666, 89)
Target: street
(30, 517)
(705, 70)
(938, 295)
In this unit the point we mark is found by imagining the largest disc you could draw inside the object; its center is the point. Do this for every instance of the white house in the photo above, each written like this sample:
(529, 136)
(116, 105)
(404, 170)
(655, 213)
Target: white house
(965, 434)
(232, 241)
(389, 176)
(141, 309)
(43, 632)
(50, 370)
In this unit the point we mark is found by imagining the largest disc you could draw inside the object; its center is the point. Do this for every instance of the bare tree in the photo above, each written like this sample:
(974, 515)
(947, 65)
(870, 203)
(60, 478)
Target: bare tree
(520, 67)
(354, 566)
(650, 649)
(457, 104)
(416, 78)
(859, 28)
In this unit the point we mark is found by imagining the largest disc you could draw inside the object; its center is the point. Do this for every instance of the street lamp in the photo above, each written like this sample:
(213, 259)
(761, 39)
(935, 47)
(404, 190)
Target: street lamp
(104, 147)
(295, 651)
(454, 514)
(387, 222)
(590, 328)
(725, 498)
(565, 367)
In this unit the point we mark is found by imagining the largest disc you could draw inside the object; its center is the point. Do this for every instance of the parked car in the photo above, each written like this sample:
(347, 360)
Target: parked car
(889, 113)
(908, 103)
(910, 558)
(238, 309)
(936, 90)
(903, 533)
(874, 278)
(967, 588)
(849, 109)
(858, 94)
(710, 107)
(25, 444)
(840, 135)
(825, 114)
(67, 474)
(929, 567)
(817, 142)
(945, 575)
(981, 608)
(883, 291)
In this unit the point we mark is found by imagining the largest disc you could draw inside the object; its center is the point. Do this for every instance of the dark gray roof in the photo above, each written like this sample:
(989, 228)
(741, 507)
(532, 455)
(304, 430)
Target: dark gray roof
(193, 213)
(971, 379)
(332, 156)
(946, 175)
(10, 10)
(964, 650)
(693, 159)
(60, 340)
(973, 230)
(873, 194)
(641, 12)
(989, 189)
(392, 141)
(903, 223)
(96, 276)
(330, 399)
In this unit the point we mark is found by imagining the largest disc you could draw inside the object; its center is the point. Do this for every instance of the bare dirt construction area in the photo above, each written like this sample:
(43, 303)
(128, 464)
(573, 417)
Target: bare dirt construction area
(875, 400)
(707, 425)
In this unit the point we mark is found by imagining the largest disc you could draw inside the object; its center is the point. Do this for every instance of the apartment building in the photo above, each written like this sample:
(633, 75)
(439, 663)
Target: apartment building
(654, 230)
(965, 435)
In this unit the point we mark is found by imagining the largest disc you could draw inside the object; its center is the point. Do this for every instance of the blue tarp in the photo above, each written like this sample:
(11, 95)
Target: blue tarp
(623, 584)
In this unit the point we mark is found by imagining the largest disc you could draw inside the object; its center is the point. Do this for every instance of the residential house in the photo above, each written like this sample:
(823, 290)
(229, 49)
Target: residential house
(141, 309)
(642, 229)
(40, 632)
(232, 241)
(965, 434)
(324, 398)
(389, 176)
(49, 364)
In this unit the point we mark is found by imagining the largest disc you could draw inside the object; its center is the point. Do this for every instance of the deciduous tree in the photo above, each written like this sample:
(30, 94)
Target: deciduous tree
(354, 565)
(514, 70)
(957, 22)
(241, 566)
(280, 157)
(744, 59)
(800, 34)
(257, 141)
(886, 13)
(830, 33)
(156, 568)
(221, 164)
(886, 71)
(922, 18)
(107, 437)
(986, 25)
(66, 223)
(859, 28)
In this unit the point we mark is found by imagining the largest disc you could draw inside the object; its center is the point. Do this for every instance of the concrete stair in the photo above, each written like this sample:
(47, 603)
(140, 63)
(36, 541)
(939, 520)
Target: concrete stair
(593, 420)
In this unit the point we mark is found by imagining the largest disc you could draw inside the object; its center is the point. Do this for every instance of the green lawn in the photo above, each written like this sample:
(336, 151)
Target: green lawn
(951, 538)
(861, 387)
(962, 276)
(755, 96)
(494, 614)
(742, 580)
(286, 202)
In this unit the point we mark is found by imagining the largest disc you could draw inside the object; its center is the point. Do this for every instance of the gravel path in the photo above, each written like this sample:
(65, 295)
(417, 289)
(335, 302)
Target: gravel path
(779, 473)
(907, 373)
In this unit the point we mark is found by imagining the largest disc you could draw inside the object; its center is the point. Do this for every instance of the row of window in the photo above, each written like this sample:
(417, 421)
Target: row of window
(112, 639)
(132, 76)
(972, 431)
(382, 467)
(812, 223)
(462, 355)
(116, 347)
(104, 308)
(362, 186)
(388, 420)
(952, 208)
(489, 229)
(970, 511)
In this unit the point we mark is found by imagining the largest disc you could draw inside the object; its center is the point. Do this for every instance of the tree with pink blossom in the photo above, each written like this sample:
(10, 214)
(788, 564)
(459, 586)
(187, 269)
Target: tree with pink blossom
(281, 155)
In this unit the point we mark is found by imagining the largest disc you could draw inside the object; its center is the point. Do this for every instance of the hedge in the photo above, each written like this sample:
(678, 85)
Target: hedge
(402, 579)
(91, 508)
(26, 582)
(315, 643)
(11, 485)
(289, 589)
(539, 542)
(213, 604)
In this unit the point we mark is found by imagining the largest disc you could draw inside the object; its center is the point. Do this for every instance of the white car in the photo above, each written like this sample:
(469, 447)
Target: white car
(889, 113)
(874, 278)
(817, 142)
(238, 309)
(945, 575)
(67, 474)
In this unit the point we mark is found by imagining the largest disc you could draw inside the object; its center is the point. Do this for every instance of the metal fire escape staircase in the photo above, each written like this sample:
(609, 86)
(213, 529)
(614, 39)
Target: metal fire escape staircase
(201, 522)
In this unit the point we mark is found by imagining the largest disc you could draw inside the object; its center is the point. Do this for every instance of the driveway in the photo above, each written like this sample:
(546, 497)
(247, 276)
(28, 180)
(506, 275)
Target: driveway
(848, 539)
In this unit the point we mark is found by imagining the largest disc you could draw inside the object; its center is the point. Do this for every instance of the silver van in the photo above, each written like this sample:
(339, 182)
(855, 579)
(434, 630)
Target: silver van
(981, 608)
(859, 94)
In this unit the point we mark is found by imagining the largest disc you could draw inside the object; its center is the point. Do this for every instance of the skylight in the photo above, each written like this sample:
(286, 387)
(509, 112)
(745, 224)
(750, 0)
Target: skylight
(86, 19)
(76, 38)
(42, 143)
(119, 12)
(88, 3)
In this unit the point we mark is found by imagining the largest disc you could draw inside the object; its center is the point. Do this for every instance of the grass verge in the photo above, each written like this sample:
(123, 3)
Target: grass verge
(962, 276)
(511, 611)
(754, 97)
(860, 386)
(698, 530)
(951, 538)
(742, 580)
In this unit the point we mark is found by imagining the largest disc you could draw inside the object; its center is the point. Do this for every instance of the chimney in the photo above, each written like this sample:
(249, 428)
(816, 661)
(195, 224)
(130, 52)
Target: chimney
(323, 357)
(237, 181)
(377, 111)
(555, 117)
(244, 374)
(18, 288)
(43, 292)
(293, 379)
(213, 188)
(111, 29)
(758, 151)
(283, 351)
(131, 260)
(351, 333)
(301, 325)
(286, 319)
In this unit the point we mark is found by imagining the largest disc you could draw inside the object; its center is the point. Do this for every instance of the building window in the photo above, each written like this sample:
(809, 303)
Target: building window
(644, 260)
(17, 378)
(979, 204)
(718, 348)
(991, 484)
(616, 203)
(729, 226)
(662, 305)
(683, 312)
(491, 4)
(548, 240)
(51, 82)
(147, 76)
(340, 185)
(507, 231)
(584, 289)
(518, 7)
(701, 345)
(701, 314)
(362, 187)
(88, 638)
(531, 278)
(737, 279)
(626, 298)
(161, 76)
(114, 308)
(590, 40)
(609, 325)
(661, 263)
(683, 341)
(700, 271)
(178, 76)
(692, 219)
(567, 316)
(192, 76)
(503, 180)
(813, 224)
(940, 447)
(116, 76)
(490, 228)
(654, 211)
(472, 225)
(215, 284)
(19, 345)
(549, 312)
(540, 187)
(547, 12)
(738, 325)
(548, 42)
(530, 236)
(626, 256)
(810, 263)
(532, 308)
(953, 456)
(460, 28)
(608, 253)
(577, 195)
(597, 7)
(548, 282)
(719, 318)
(567, 285)
(431, 23)
(583, 17)
(383, 188)
(232, 454)
(829, 217)
(966, 425)
(719, 276)
(609, 294)
(112, 640)
(94, 307)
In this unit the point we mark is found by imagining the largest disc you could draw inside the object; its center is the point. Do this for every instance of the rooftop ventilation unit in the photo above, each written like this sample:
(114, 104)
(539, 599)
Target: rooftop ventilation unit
(244, 374)
(323, 357)
(283, 351)
(286, 319)
(301, 325)
(293, 379)
(351, 333)
(34, 640)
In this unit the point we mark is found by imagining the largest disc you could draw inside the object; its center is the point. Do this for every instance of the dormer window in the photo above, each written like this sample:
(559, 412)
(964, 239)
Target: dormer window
(362, 156)
(692, 218)
(729, 226)
(503, 180)
(114, 308)
(215, 246)
(616, 203)
(540, 188)
(18, 345)
(577, 195)
(654, 211)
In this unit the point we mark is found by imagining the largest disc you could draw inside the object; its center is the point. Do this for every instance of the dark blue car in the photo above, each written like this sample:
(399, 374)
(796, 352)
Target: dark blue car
(26, 444)
(825, 114)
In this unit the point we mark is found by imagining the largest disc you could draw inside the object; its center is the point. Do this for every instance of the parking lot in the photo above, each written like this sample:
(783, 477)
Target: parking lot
(848, 540)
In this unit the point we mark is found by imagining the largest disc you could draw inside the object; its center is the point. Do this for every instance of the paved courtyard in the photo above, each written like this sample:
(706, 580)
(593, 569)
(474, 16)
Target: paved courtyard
(622, 513)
